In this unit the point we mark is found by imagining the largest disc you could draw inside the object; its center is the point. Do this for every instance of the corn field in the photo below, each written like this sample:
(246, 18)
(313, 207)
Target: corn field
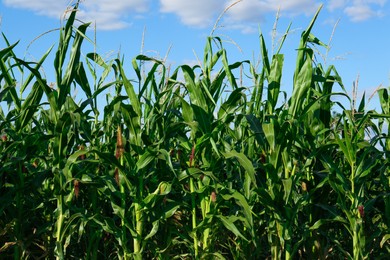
(189, 163)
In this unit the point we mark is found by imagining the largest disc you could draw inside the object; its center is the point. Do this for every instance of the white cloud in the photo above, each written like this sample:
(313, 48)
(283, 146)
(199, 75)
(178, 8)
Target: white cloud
(41, 7)
(109, 16)
(106, 14)
(205, 12)
(336, 4)
(199, 13)
(296, 7)
(249, 13)
(359, 10)
(255, 10)
(245, 15)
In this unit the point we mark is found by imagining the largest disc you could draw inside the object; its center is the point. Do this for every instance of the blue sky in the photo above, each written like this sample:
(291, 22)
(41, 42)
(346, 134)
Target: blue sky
(359, 46)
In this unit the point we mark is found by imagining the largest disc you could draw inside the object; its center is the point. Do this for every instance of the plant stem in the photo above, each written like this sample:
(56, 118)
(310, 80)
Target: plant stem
(137, 240)
(193, 212)
(60, 221)
(205, 207)
(123, 205)
(356, 222)
(193, 202)
(288, 251)
(18, 226)
(355, 238)
(139, 222)
(276, 249)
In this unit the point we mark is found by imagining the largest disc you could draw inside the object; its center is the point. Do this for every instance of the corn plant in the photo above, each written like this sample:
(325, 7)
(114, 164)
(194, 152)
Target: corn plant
(211, 161)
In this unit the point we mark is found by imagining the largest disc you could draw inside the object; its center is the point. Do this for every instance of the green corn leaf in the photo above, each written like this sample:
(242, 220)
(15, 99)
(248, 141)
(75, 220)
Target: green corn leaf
(256, 127)
(107, 224)
(164, 188)
(264, 56)
(74, 157)
(282, 40)
(188, 114)
(384, 239)
(65, 37)
(6, 246)
(9, 94)
(97, 59)
(384, 100)
(164, 155)
(195, 91)
(311, 38)
(242, 201)
(228, 222)
(214, 60)
(171, 209)
(151, 199)
(5, 73)
(150, 78)
(202, 118)
(65, 83)
(302, 84)
(245, 163)
(228, 70)
(254, 124)
(102, 88)
(82, 80)
(69, 224)
(231, 105)
(205, 90)
(36, 70)
(137, 69)
(269, 131)
(145, 159)
(3, 53)
(207, 53)
(134, 101)
(367, 164)
(274, 80)
(42, 82)
(321, 222)
(190, 172)
(30, 105)
(304, 39)
(154, 230)
(287, 186)
(132, 121)
(257, 93)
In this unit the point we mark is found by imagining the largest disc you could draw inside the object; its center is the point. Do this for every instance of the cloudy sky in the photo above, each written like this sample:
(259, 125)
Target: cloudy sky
(358, 30)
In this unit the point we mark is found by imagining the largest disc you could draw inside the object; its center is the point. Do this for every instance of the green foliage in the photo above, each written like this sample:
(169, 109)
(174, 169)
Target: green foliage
(188, 165)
